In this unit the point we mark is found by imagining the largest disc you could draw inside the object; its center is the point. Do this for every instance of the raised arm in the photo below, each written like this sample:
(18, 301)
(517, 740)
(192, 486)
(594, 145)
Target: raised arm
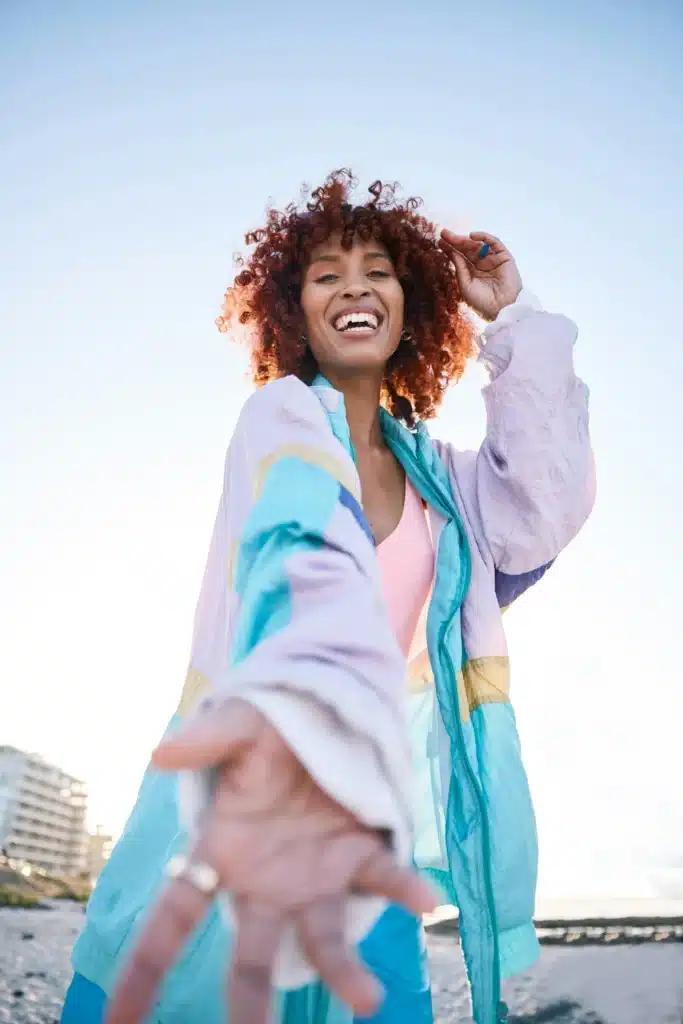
(531, 487)
(535, 470)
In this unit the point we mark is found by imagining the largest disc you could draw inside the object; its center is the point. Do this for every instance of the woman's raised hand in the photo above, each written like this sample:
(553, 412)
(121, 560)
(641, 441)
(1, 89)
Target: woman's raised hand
(487, 273)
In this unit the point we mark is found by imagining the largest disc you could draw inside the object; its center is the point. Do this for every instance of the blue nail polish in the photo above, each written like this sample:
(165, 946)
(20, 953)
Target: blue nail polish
(484, 251)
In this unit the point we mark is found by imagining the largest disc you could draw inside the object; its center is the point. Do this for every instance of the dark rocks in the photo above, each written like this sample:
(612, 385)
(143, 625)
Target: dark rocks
(34, 963)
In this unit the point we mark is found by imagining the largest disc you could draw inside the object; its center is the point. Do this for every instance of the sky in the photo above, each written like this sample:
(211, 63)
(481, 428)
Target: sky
(140, 142)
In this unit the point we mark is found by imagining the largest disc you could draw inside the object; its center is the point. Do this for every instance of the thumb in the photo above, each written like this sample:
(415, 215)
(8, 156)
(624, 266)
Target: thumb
(217, 735)
(463, 268)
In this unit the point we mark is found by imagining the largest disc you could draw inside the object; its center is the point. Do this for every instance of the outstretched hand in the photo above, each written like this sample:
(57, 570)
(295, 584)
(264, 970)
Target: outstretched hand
(487, 283)
(286, 853)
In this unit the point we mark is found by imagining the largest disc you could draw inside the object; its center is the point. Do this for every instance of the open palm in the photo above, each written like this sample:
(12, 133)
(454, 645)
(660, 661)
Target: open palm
(287, 854)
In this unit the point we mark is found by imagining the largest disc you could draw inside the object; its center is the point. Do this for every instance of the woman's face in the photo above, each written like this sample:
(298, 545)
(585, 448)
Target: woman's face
(353, 307)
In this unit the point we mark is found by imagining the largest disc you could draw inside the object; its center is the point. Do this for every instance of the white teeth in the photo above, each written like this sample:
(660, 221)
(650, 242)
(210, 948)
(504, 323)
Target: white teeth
(356, 321)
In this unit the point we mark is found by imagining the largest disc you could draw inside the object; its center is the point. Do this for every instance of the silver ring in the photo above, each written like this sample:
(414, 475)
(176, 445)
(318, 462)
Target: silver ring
(202, 876)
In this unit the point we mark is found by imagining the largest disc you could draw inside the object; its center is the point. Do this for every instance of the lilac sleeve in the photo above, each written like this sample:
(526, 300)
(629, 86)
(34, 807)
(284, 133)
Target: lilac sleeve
(535, 478)
(531, 487)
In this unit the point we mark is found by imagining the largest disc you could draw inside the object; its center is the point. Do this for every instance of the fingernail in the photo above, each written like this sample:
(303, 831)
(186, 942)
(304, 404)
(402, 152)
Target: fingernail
(484, 251)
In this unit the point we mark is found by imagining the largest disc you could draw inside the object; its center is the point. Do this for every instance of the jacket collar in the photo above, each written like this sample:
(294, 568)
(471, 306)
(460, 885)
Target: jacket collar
(413, 448)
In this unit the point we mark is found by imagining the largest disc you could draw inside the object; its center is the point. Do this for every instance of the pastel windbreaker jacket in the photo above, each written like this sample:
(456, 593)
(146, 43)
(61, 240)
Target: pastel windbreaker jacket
(291, 618)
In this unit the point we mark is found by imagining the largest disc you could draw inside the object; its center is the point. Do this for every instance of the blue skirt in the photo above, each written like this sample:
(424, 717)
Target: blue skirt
(394, 951)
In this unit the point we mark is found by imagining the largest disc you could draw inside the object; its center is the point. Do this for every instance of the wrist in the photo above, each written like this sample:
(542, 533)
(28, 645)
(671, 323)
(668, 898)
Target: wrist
(491, 311)
(508, 300)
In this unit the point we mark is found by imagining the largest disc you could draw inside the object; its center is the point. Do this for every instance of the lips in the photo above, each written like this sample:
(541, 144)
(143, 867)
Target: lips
(357, 321)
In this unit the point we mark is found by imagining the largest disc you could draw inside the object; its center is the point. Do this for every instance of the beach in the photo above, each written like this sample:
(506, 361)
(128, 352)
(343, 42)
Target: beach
(640, 984)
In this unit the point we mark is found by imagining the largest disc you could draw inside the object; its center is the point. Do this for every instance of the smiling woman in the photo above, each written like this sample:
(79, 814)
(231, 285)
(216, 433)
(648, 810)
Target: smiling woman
(346, 718)
(332, 257)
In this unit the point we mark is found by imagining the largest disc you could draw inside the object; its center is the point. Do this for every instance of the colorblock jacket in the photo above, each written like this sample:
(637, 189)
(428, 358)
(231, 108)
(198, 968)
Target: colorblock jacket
(291, 618)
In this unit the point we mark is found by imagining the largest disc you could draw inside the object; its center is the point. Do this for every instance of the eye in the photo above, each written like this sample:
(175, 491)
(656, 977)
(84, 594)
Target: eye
(326, 278)
(379, 273)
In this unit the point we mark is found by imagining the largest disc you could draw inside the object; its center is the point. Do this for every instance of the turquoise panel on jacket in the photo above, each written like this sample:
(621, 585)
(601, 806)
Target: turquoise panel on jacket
(129, 884)
(297, 502)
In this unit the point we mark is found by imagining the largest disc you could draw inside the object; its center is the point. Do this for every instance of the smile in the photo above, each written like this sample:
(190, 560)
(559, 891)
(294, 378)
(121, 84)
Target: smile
(357, 322)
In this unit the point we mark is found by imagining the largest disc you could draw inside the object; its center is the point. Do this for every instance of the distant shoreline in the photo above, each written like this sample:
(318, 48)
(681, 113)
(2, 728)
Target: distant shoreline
(598, 911)
(590, 922)
(655, 922)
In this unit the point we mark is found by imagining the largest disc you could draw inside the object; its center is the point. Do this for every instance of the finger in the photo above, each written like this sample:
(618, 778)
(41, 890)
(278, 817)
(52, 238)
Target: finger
(214, 737)
(468, 250)
(483, 236)
(478, 262)
(473, 244)
(321, 931)
(452, 252)
(178, 912)
(464, 268)
(259, 930)
(380, 875)
(454, 237)
(463, 243)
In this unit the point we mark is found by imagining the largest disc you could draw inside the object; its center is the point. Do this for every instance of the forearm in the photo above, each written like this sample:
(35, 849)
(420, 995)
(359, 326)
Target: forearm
(315, 655)
(291, 620)
(535, 473)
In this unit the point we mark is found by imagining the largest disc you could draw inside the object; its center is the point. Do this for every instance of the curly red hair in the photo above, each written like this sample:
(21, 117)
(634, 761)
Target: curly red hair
(266, 293)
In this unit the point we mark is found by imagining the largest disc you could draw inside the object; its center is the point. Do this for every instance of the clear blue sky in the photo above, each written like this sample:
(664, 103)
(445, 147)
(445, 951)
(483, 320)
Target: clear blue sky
(140, 141)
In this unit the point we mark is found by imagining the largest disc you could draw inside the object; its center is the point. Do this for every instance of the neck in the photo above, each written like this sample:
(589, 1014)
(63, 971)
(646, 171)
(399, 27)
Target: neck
(361, 399)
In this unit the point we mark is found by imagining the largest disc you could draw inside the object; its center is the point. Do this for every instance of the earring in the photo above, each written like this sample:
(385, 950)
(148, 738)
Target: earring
(406, 335)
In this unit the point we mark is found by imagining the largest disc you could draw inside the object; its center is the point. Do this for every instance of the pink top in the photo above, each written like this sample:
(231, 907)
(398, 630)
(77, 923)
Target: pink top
(406, 562)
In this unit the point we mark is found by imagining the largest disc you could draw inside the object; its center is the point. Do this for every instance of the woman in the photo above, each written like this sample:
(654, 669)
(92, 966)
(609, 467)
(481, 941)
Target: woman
(347, 546)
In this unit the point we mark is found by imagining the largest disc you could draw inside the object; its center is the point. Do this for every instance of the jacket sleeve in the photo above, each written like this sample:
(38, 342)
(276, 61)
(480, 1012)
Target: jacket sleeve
(533, 479)
(309, 639)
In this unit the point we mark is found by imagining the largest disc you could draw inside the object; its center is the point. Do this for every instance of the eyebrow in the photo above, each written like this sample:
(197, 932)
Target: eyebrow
(332, 258)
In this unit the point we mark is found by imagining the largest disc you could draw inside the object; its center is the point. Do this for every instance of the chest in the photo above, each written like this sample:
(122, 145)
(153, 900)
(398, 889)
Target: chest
(383, 485)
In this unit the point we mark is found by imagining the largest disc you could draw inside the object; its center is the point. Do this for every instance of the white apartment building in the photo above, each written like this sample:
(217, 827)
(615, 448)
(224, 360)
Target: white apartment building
(100, 845)
(42, 814)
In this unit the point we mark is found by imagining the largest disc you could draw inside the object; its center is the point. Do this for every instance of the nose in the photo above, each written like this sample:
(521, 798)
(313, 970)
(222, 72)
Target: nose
(355, 290)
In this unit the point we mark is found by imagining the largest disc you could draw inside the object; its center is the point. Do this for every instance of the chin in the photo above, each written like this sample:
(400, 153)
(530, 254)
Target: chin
(363, 355)
(360, 363)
